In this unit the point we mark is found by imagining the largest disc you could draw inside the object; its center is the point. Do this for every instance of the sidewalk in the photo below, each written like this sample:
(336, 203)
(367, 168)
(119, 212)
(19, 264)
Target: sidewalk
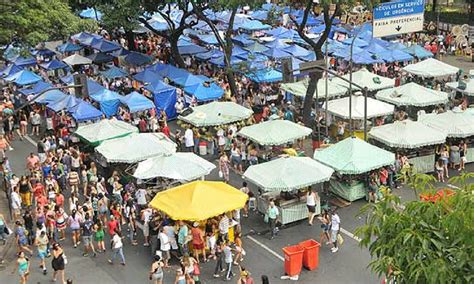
(7, 249)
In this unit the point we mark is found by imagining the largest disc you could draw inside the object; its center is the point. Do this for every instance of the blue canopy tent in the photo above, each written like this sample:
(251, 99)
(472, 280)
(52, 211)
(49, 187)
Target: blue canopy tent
(311, 21)
(205, 92)
(25, 61)
(213, 53)
(252, 57)
(103, 45)
(187, 80)
(243, 39)
(84, 37)
(173, 73)
(136, 102)
(68, 47)
(94, 87)
(310, 57)
(278, 43)
(418, 51)
(137, 59)
(364, 57)
(50, 97)
(256, 47)
(54, 65)
(397, 45)
(219, 61)
(68, 102)
(84, 111)
(23, 77)
(43, 52)
(239, 51)
(164, 97)
(381, 42)
(374, 47)
(108, 100)
(260, 15)
(91, 13)
(147, 76)
(10, 70)
(254, 25)
(318, 29)
(276, 53)
(339, 29)
(208, 39)
(114, 72)
(120, 52)
(11, 52)
(36, 88)
(394, 56)
(346, 51)
(297, 51)
(67, 79)
(191, 49)
(332, 46)
(365, 35)
(158, 25)
(357, 42)
(277, 32)
(265, 76)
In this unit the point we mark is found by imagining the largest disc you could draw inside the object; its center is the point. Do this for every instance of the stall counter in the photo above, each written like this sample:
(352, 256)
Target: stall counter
(290, 210)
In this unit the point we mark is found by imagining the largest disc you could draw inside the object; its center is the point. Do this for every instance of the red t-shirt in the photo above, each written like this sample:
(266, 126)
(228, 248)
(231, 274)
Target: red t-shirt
(142, 125)
(38, 190)
(113, 225)
(60, 200)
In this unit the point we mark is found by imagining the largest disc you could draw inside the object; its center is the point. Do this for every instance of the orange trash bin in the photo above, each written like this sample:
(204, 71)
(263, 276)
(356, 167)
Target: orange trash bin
(310, 254)
(293, 260)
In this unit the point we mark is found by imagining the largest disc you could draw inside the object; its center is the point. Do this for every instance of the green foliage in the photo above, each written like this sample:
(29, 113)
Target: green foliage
(29, 22)
(422, 242)
(120, 13)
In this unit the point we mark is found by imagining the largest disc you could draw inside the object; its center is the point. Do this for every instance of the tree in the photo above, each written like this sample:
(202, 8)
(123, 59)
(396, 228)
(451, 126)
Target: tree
(29, 22)
(225, 43)
(422, 242)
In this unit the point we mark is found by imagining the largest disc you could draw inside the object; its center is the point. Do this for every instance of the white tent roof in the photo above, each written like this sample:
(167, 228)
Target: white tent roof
(456, 124)
(105, 129)
(299, 88)
(365, 78)
(77, 59)
(469, 90)
(375, 108)
(412, 94)
(172, 167)
(431, 68)
(136, 147)
(407, 134)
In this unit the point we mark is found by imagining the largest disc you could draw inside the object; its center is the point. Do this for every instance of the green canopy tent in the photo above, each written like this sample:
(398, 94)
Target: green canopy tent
(412, 94)
(105, 129)
(365, 78)
(456, 124)
(274, 132)
(299, 88)
(216, 113)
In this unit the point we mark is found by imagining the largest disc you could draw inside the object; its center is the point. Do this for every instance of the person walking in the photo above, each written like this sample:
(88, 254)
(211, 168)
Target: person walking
(165, 247)
(198, 242)
(87, 227)
(117, 248)
(219, 257)
(99, 235)
(311, 199)
(183, 238)
(23, 267)
(74, 223)
(41, 243)
(3, 229)
(326, 224)
(22, 238)
(156, 271)
(224, 167)
(335, 228)
(228, 259)
(272, 215)
(59, 262)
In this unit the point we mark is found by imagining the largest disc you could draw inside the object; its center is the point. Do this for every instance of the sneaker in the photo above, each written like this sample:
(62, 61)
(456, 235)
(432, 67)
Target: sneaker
(216, 276)
(110, 261)
(328, 243)
(85, 255)
(45, 272)
(123, 263)
(95, 254)
(334, 249)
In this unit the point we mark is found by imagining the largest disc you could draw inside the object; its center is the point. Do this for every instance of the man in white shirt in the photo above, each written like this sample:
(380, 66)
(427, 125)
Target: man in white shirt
(179, 106)
(189, 139)
(165, 246)
(16, 204)
(140, 195)
(335, 227)
(117, 249)
(223, 227)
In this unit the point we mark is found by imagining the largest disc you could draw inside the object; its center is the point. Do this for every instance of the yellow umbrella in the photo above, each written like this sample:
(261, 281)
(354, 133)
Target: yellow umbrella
(199, 200)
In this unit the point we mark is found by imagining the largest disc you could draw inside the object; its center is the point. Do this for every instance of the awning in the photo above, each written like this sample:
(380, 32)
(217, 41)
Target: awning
(375, 108)
(275, 132)
(104, 130)
(431, 68)
(412, 94)
(216, 113)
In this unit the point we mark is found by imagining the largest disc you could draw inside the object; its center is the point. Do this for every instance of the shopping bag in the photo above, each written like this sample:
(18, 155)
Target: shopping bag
(340, 239)
(221, 175)
(265, 219)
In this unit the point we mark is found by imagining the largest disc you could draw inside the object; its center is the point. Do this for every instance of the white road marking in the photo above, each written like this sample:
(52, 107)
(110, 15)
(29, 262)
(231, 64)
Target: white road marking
(30, 140)
(452, 186)
(350, 235)
(266, 248)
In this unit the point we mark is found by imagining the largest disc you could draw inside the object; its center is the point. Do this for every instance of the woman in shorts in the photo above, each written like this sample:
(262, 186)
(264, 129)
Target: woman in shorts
(325, 226)
(99, 236)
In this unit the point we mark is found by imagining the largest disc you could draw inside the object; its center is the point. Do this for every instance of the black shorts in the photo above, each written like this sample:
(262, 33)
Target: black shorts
(311, 208)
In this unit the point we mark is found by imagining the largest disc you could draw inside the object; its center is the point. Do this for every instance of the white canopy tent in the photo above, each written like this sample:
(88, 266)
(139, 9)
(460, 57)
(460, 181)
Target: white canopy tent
(299, 88)
(136, 147)
(431, 68)
(375, 108)
(365, 78)
(177, 166)
(456, 124)
(412, 94)
(464, 86)
(77, 59)
(407, 134)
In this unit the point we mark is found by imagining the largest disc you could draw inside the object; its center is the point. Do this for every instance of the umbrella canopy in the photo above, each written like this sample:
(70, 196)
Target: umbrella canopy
(407, 134)
(114, 72)
(104, 130)
(216, 113)
(137, 102)
(23, 77)
(199, 200)
(412, 94)
(354, 156)
(466, 87)
(431, 68)
(136, 147)
(456, 124)
(288, 173)
(205, 92)
(137, 59)
(100, 57)
(68, 47)
(53, 65)
(365, 78)
(375, 108)
(171, 167)
(270, 132)
(299, 88)
(77, 59)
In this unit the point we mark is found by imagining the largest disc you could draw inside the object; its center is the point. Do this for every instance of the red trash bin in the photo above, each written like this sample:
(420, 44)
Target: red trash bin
(293, 260)
(310, 254)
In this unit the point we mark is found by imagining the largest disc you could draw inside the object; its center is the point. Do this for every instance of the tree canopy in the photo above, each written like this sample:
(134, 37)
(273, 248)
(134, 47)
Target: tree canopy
(423, 242)
(30, 22)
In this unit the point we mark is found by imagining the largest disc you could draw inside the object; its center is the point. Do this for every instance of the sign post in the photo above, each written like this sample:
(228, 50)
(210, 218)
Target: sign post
(398, 17)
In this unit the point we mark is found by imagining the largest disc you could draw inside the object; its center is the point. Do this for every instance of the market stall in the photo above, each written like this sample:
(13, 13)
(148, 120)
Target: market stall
(299, 88)
(431, 68)
(365, 78)
(458, 125)
(351, 158)
(414, 139)
(281, 179)
(105, 129)
(136, 147)
(466, 87)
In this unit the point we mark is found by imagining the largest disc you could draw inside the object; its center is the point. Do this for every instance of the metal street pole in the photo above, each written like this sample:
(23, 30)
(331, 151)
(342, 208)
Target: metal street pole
(350, 86)
(365, 112)
(326, 92)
